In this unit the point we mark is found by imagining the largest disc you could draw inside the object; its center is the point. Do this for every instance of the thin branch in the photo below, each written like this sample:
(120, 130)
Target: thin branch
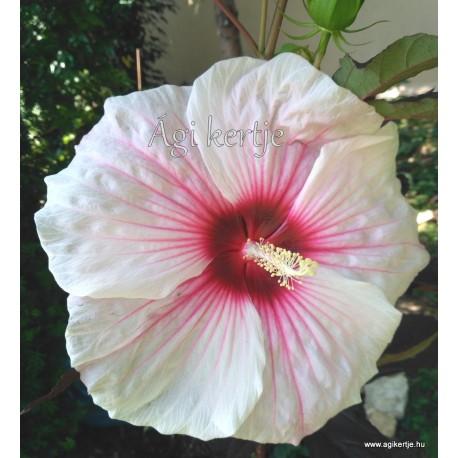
(260, 451)
(275, 29)
(262, 28)
(139, 69)
(229, 35)
(64, 382)
(239, 26)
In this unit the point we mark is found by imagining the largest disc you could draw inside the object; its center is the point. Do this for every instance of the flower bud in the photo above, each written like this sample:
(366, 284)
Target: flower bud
(333, 15)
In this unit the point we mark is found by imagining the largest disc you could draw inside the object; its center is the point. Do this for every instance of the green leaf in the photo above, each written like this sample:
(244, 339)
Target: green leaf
(289, 451)
(289, 47)
(404, 59)
(302, 51)
(421, 107)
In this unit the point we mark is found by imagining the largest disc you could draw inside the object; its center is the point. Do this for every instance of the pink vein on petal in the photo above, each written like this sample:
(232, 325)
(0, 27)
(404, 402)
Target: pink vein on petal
(318, 322)
(187, 209)
(203, 297)
(290, 364)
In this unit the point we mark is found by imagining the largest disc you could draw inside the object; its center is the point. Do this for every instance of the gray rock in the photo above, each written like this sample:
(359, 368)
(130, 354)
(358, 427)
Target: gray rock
(385, 402)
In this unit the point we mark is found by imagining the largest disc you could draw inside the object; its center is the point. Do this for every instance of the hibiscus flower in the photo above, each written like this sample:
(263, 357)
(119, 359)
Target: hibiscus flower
(221, 290)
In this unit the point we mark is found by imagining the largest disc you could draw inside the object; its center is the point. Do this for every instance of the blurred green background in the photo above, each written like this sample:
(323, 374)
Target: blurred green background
(74, 55)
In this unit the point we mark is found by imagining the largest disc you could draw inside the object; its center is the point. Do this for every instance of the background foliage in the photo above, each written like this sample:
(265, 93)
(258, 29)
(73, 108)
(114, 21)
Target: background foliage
(75, 54)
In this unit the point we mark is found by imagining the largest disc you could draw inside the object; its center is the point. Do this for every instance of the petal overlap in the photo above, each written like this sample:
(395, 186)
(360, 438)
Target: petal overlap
(289, 95)
(190, 364)
(352, 217)
(318, 355)
(126, 220)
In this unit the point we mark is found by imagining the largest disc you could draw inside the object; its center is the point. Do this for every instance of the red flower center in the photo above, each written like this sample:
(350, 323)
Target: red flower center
(227, 240)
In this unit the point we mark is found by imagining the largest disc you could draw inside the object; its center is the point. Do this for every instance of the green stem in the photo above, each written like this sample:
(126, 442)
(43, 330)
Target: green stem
(275, 29)
(321, 50)
(262, 28)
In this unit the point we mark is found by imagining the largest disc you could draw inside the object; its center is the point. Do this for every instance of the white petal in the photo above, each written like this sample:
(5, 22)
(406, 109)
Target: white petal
(189, 364)
(324, 339)
(125, 219)
(352, 217)
(290, 95)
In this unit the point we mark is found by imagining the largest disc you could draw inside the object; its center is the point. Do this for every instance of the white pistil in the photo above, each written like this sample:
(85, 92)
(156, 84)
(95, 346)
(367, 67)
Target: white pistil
(281, 263)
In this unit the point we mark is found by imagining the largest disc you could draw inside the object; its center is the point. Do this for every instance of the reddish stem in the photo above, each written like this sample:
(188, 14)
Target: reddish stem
(238, 24)
(63, 383)
(260, 451)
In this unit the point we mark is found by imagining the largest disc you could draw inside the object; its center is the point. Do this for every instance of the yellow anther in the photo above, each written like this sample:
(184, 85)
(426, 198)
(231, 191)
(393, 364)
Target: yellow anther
(280, 262)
